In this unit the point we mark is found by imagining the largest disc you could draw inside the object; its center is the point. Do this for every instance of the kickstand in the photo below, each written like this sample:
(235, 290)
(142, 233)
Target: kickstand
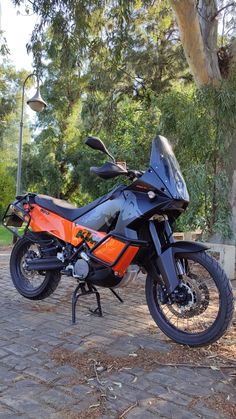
(85, 289)
(116, 295)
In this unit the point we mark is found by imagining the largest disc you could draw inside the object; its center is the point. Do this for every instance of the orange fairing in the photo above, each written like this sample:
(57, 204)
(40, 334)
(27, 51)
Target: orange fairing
(44, 220)
(125, 260)
(68, 231)
(110, 250)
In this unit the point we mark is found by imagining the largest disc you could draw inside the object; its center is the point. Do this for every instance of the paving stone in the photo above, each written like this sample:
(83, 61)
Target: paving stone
(3, 353)
(3, 388)
(20, 404)
(166, 409)
(57, 399)
(20, 350)
(43, 374)
(18, 363)
(171, 395)
(32, 386)
(163, 379)
(80, 391)
(140, 413)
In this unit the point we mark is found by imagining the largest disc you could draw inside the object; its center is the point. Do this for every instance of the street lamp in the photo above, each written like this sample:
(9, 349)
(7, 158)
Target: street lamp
(37, 104)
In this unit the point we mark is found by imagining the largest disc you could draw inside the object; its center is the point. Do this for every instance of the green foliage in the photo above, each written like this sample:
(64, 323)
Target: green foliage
(11, 82)
(5, 237)
(200, 123)
(7, 188)
(116, 69)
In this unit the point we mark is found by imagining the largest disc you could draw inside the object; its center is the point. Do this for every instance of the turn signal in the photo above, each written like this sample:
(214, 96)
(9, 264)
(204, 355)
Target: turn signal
(151, 195)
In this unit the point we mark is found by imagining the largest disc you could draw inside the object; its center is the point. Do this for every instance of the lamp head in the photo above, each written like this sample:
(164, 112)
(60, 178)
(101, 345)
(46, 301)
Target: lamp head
(36, 103)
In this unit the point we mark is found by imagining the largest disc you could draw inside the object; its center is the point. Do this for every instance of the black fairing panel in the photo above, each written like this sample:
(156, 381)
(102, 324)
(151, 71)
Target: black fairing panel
(151, 181)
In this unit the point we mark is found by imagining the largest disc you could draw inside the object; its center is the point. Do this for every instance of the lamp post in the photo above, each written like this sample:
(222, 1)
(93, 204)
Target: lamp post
(37, 104)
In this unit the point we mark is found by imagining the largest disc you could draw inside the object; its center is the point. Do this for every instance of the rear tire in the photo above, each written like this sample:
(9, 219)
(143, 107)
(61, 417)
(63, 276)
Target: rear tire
(21, 279)
(225, 300)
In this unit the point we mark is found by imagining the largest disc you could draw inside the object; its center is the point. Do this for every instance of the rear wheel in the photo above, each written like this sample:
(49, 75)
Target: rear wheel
(201, 309)
(31, 284)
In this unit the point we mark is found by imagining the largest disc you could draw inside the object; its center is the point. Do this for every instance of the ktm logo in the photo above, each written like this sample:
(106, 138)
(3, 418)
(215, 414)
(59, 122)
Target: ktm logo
(44, 211)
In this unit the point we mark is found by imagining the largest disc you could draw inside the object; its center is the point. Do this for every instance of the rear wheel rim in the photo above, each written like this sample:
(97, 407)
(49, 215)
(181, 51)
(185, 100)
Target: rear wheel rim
(30, 280)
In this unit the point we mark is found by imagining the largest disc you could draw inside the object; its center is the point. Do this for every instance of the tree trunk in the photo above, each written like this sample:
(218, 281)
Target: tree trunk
(198, 33)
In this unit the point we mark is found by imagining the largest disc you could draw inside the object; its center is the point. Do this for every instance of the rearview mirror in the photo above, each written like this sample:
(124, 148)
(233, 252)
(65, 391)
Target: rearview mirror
(97, 144)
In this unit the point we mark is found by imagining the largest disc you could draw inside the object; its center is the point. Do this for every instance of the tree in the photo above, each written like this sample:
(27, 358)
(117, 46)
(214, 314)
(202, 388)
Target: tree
(90, 65)
(119, 50)
(10, 107)
(215, 67)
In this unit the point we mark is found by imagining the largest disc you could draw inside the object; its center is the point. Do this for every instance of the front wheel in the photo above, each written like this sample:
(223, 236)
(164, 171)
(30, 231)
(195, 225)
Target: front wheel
(202, 308)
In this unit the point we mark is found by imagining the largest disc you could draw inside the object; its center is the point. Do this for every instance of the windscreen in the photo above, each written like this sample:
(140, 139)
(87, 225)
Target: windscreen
(165, 165)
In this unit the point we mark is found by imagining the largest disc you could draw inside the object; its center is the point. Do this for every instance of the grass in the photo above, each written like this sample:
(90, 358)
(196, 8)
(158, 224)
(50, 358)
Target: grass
(5, 237)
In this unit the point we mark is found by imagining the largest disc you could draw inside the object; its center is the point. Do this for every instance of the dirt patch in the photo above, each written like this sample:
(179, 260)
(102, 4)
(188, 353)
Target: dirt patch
(90, 413)
(142, 358)
(42, 309)
(219, 402)
(224, 351)
(94, 411)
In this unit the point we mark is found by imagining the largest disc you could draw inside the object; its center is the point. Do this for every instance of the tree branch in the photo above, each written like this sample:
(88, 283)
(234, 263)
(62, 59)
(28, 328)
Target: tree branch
(222, 8)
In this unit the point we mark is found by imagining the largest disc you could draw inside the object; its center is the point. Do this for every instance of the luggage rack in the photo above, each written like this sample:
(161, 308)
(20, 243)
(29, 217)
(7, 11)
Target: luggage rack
(15, 216)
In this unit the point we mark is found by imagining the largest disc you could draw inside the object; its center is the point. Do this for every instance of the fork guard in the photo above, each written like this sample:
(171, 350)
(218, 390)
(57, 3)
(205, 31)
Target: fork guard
(166, 265)
(165, 259)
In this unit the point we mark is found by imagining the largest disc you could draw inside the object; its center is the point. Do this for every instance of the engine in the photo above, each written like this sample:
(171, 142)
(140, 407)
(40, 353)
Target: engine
(85, 269)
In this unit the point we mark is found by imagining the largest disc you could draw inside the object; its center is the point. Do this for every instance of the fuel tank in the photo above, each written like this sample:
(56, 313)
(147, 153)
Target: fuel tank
(101, 217)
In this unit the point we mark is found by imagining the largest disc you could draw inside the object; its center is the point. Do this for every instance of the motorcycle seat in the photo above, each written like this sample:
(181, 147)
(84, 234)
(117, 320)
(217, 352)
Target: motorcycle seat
(67, 210)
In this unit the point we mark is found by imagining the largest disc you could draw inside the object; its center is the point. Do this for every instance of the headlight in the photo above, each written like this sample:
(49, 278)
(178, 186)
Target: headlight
(180, 185)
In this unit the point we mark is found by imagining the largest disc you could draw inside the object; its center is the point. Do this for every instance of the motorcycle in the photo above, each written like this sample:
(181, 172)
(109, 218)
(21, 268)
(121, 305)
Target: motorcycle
(107, 242)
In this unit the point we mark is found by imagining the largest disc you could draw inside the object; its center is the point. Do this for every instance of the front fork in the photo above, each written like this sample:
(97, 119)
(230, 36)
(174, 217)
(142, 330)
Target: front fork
(166, 261)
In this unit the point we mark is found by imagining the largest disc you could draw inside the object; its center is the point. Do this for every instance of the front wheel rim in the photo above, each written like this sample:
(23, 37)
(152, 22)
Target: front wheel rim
(198, 316)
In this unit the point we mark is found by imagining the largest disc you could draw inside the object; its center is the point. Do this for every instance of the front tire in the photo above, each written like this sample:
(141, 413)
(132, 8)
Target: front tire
(193, 324)
(32, 285)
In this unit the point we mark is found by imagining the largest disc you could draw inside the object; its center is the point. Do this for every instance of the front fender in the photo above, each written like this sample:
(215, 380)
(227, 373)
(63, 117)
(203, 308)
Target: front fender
(187, 247)
(166, 264)
(166, 257)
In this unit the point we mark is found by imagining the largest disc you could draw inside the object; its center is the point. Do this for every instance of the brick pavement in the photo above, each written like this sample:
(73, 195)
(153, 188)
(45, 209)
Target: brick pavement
(33, 385)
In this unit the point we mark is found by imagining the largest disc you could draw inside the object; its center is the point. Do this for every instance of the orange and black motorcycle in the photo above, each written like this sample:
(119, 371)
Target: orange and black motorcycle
(107, 243)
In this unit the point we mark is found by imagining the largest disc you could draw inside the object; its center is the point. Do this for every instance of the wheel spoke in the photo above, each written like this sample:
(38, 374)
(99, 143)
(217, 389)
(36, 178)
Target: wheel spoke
(199, 307)
(32, 279)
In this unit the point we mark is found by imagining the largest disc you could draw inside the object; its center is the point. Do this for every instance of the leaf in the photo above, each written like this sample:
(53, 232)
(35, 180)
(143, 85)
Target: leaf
(214, 368)
(117, 383)
(92, 406)
(133, 354)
